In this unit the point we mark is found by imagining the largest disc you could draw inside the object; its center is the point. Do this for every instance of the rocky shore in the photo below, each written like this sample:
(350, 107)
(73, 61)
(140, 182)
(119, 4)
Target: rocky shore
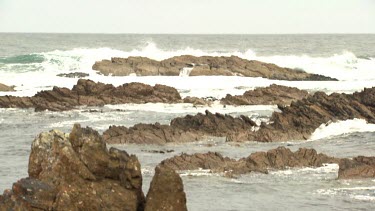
(76, 171)
(202, 66)
(90, 93)
(182, 129)
(275, 159)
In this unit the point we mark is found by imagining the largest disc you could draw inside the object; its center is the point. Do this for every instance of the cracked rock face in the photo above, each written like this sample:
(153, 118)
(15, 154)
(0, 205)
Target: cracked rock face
(77, 172)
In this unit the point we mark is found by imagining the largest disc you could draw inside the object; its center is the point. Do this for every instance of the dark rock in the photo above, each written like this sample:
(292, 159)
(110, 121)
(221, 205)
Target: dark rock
(89, 93)
(166, 191)
(187, 129)
(299, 120)
(205, 65)
(73, 75)
(272, 95)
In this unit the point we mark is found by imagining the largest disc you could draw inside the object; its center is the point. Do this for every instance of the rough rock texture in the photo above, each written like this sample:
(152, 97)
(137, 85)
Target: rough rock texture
(166, 191)
(182, 129)
(89, 93)
(197, 101)
(271, 95)
(279, 158)
(205, 65)
(358, 167)
(73, 75)
(5, 88)
(77, 172)
(299, 120)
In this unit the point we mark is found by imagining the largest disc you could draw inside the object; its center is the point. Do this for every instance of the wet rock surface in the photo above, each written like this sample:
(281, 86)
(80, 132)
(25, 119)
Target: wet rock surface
(5, 88)
(201, 66)
(299, 120)
(358, 167)
(271, 95)
(78, 172)
(73, 75)
(90, 93)
(182, 129)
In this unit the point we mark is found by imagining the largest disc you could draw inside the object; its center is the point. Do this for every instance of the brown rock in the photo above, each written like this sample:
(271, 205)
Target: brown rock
(187, 129)
(205, 65)
(89, 93)
(196, 101)
(272, 95)
(358, 167)
(77, 172)
(166, 191)
(299, 120)
(5, 88)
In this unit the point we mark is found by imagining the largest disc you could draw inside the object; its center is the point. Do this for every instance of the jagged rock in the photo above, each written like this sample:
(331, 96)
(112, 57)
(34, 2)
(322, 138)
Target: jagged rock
(5, 88)
(77, 172)
(89, 93)
(187, 129)
(166, 191)
(196, 101)
(358, 167)
(73, 75)
(279, 158)
(205, 65)
(272, 95)
(299, 120)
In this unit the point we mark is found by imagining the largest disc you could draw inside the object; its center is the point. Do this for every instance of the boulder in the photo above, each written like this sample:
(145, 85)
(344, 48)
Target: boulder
(166, 191)
(358, 167)
(90, 93)
(204, 65)
(272, 95)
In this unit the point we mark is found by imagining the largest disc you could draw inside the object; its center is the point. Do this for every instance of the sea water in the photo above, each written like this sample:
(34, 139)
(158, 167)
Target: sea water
(32, 61)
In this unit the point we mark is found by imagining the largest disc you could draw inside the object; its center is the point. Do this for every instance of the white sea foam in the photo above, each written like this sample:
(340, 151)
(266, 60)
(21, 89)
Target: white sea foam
(342, 127)
(356, 72)
(325, 169)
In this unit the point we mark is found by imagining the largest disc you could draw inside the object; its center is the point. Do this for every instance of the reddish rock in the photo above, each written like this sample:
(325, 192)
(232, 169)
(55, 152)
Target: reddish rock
(205, 65)
(89, 93)
(166, 191)
(272, 95)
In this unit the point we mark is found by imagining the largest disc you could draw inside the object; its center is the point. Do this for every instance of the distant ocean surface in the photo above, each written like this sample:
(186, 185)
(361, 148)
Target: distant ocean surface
(32, 61)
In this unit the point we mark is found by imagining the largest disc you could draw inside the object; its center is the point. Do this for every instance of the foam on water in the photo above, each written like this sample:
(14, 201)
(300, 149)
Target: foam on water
(332, 129)
(40, 74)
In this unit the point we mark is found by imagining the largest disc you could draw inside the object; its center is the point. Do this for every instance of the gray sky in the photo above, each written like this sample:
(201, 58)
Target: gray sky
(188, 16)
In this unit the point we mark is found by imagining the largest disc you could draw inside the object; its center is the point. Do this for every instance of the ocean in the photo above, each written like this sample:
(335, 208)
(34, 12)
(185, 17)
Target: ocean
(32, 61)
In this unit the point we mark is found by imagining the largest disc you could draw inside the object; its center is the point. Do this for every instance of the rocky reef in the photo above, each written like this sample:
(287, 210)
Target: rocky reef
(90, 93)
(274, 159)
(202, 66)
(299, 120)
(5, 88)
(76, 171)
(271, 95)
(182, 129)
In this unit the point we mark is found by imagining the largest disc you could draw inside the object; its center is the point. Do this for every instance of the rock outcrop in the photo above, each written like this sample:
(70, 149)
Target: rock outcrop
(299, 120)
(89, 93)
(5, 88)
(202, 66)
(279, 158)
(271, 95)
(182, 129)
(78, 172)
(73, 75)
(358, 167)
(166, 191)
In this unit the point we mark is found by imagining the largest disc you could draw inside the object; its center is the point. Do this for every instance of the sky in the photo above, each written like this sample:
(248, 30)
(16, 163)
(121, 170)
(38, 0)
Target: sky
(188, 16)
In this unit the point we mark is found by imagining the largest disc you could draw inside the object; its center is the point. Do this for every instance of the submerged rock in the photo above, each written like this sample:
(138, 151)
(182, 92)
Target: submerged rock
(78, 172)
(299, 120)
(90, 93)
(5, 88)
(73, 75)
(182, 129)
(271, 95)
(166, 191)
(201, 66)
